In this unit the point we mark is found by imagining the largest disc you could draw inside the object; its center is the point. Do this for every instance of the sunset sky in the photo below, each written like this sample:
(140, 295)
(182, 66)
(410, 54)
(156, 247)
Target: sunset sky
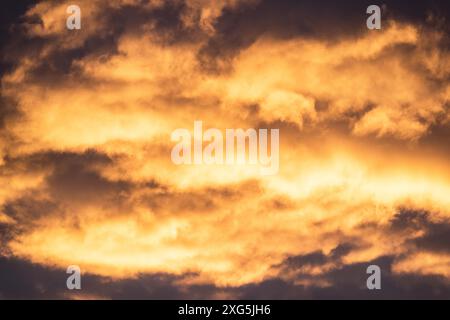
(86, 176)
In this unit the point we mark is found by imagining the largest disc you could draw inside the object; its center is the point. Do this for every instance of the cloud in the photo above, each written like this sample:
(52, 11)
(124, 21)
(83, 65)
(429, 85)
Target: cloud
(86, 176)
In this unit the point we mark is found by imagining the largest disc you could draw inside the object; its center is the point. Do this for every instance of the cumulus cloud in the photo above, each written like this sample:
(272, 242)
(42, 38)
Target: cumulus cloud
(85, 124)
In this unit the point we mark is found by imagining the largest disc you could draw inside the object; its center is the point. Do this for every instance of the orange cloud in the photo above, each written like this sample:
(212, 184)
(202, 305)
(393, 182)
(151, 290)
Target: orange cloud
(352, 116)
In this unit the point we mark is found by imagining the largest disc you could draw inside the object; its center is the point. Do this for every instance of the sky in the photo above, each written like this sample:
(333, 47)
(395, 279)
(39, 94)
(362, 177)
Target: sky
(86, 176)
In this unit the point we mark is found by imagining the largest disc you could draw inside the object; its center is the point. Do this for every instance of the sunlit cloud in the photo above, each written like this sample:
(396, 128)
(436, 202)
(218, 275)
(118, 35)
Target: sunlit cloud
(86, 173)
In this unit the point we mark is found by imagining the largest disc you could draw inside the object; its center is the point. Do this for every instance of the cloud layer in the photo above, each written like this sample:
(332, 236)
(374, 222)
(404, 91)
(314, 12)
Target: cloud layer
(86, 176)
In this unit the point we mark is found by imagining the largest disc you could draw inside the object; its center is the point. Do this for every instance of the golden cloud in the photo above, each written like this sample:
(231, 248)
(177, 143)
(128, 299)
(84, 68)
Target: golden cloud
(226, 224)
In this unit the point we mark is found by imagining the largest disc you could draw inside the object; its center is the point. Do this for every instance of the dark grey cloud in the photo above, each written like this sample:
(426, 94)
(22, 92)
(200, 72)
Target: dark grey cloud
(57, 162)
(28, 208)
(75, 179)
(349, 282)
(317, 258)
(408, 219)
(205, 200)
(436, 234)
(236, 29)
(327, 20)
(166, 26)
(437, 138)
(23, 280)
(11, 15)
(71, 179)
(8, 111)
(436, 238)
